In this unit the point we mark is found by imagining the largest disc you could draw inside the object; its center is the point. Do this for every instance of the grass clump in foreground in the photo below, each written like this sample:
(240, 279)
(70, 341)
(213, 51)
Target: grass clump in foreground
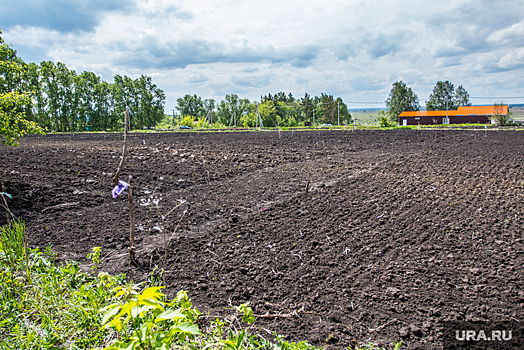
(49, 305)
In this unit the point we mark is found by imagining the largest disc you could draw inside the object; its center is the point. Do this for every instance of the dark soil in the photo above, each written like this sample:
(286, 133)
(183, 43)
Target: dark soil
(399, 231)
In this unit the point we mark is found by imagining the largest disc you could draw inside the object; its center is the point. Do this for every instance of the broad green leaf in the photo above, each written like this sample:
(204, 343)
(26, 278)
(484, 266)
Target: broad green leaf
(154, 304)
(186, 327)
(169, 315)
(144, 330)
(151, 293)
(110, 312)
(128, 307)
(137, 310)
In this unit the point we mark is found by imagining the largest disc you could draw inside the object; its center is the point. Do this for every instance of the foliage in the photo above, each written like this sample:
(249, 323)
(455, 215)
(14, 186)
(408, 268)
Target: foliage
(59, 99)
(13, 124)
(396, 346)
(307, 107)
(247, 313)
(13, 102)
(461, 97)
(384, 120)
(401, 99)
(192, 105)
(499, 117)
(444, 96)
(153, 324)
(44, 305)
(167, 122)
(143, 98)
(232, 108)
(187, 121)
(248, 120)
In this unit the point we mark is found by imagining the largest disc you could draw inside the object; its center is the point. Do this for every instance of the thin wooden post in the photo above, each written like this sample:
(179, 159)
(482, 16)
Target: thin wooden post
(131, 228)
(132, 260)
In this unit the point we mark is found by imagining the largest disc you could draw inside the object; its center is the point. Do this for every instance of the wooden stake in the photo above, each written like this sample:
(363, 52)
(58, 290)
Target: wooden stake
(117, 174)
(132, 260)
(6, 207)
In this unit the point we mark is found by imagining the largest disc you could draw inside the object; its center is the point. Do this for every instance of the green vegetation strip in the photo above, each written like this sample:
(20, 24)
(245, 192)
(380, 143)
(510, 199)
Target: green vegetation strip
(49, 305)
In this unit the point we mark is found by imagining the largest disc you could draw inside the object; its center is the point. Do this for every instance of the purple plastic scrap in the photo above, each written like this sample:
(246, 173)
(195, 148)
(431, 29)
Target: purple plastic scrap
(121, 187)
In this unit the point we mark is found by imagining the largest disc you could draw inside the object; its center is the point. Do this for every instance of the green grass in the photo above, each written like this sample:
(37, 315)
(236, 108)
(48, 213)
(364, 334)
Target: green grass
(367, 118)
(44, 305)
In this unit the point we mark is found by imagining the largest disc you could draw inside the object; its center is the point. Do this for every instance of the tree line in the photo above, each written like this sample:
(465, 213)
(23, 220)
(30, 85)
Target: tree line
(443, 97)
(280, 109)
(59, 99)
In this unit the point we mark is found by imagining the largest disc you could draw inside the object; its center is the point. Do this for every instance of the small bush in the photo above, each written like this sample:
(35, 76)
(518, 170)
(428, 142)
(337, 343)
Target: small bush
(187, 121)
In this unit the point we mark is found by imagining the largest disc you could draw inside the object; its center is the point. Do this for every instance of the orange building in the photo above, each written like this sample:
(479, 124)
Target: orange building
(463, 115)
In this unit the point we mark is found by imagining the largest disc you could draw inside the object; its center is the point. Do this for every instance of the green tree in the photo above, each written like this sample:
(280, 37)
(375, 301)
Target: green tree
(150, 103)
(401, 99)
(461, 97)
(188, 121)
(384, 120)
(345, 115)
(13, 122)
(442, 97)
(500, 116)
(268, 113)
(122, 90)
(191, 105)
(326, 109)
(231, 109)
(307, 107)
(85, 95)
(105, 116)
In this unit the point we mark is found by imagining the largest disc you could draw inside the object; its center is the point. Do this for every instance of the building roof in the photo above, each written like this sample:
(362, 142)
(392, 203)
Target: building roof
(461, 111)
(483, 110)
(428, 113)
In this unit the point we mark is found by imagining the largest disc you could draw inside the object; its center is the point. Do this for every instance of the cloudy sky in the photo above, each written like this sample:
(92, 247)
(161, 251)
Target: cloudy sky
(355, 49)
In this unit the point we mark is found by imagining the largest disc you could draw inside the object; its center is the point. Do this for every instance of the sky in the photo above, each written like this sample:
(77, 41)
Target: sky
(353, 49)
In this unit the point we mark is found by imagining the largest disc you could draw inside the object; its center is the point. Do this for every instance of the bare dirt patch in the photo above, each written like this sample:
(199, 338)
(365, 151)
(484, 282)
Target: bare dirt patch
(399, 231)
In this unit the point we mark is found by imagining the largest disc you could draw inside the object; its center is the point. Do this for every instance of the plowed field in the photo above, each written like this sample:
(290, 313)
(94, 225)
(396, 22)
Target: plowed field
(397, 232)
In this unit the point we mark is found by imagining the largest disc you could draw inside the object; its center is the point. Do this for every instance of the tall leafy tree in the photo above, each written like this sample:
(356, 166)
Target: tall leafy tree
(122, 90)
(326, 109)
(231, 109)
(106, 116)
(151, 101)
(442, 97)
(210, 105)
(307, 107)
(461, 97)
(345, 115)
(401, 99)
(85, 96)
(268, 113)
(13, 122)
(191, 105)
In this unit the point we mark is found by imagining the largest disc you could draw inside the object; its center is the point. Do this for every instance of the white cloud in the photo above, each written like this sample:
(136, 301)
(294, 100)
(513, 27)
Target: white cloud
(513, 34)
(354, 49)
